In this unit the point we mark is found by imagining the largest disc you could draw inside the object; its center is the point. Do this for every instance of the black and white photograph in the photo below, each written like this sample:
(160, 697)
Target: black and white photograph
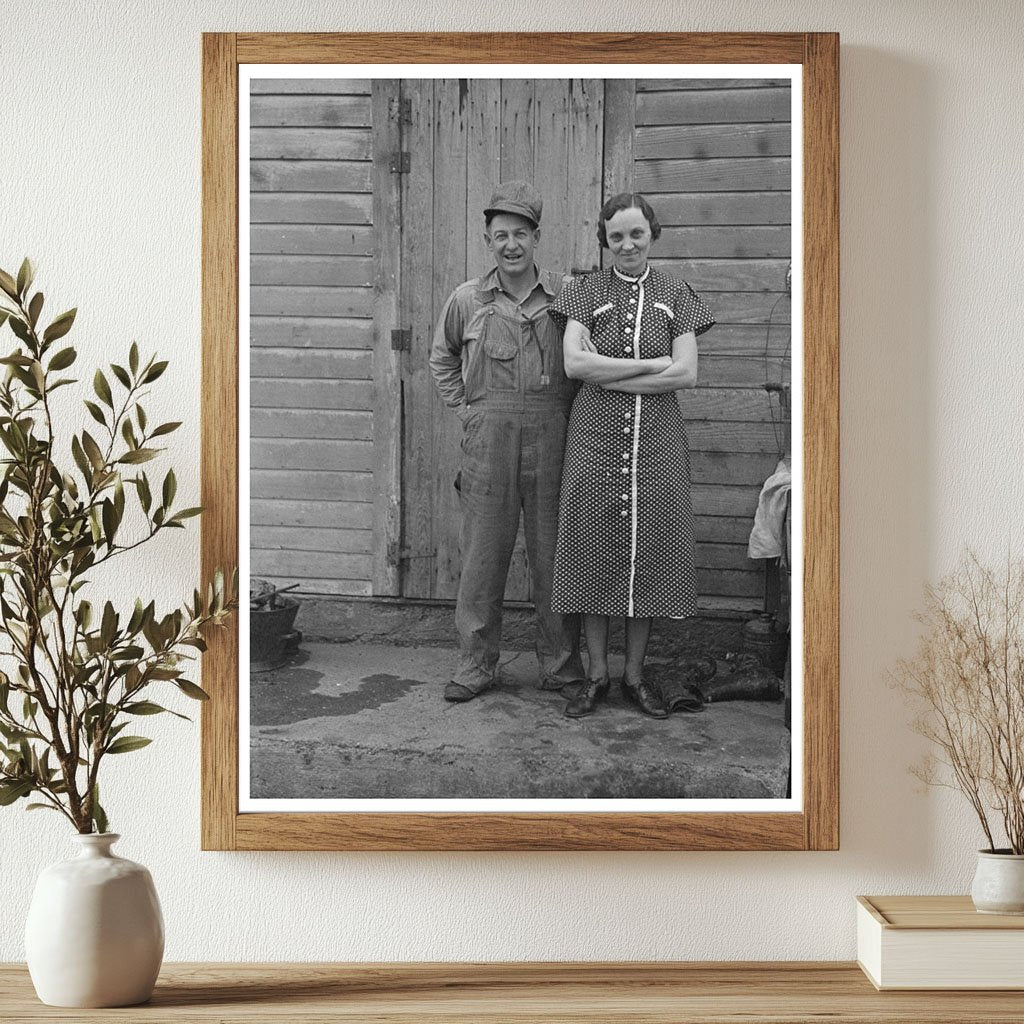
(523, 442)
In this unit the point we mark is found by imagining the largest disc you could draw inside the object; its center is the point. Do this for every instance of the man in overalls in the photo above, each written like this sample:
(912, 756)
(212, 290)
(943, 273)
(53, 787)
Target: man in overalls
(497, 361)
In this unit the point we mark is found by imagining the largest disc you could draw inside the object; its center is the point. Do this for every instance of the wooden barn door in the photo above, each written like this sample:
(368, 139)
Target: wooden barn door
(458, 138)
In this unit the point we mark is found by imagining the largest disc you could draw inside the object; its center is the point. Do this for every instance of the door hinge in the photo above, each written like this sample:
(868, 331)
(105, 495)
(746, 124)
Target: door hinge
(401, 340)
(400, 162)
(400, 110)
(397, 554)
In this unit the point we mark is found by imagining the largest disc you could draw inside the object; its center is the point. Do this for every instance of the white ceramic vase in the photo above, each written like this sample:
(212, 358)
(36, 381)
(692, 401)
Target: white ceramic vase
(999, 883)
(95, 934)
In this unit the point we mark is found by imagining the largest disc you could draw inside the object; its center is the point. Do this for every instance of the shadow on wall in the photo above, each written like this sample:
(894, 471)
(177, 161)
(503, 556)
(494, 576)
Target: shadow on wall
(887, 206)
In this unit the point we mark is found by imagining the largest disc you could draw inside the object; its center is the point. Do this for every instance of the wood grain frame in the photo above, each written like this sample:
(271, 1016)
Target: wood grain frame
(817, 826)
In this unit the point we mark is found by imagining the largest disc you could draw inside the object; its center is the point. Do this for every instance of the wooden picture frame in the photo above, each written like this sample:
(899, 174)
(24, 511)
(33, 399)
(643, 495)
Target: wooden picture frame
(816, 826)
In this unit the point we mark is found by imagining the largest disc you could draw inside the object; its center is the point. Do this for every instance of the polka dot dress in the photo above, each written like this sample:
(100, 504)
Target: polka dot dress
(625, 526)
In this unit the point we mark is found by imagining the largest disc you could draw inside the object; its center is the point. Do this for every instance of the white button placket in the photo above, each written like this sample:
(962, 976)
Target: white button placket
(637, 293)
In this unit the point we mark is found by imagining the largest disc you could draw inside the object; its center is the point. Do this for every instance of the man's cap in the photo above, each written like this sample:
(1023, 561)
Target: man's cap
(518, 197)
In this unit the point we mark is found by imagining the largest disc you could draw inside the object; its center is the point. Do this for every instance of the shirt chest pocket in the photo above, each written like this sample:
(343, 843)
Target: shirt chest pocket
(603, 330)
(500, 344)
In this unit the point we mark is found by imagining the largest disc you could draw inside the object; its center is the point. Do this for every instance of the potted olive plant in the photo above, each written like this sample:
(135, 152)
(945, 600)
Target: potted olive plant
(967, 682)
(78, 672)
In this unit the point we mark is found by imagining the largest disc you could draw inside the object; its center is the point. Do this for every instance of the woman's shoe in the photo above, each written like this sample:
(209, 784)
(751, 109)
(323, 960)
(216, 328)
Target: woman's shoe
(646, 696)
(593, 691)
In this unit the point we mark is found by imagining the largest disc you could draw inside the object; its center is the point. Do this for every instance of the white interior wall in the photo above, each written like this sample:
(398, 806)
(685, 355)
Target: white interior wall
(100, 183)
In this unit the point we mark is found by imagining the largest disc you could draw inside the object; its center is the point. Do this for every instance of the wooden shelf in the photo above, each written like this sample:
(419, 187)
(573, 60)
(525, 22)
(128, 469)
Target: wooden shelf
(647, 993)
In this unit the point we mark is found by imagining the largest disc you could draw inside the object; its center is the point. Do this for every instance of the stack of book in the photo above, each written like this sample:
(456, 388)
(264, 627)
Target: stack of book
(938, 942)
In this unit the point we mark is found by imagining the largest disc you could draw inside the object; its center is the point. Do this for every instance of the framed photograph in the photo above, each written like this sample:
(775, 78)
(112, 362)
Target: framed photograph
(520, 420)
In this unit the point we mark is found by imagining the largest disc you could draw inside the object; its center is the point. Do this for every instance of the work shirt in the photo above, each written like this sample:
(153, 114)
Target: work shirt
(487, 342)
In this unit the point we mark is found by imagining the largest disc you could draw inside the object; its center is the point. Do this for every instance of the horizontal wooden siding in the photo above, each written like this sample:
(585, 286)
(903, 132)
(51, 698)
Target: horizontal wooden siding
(311, 334)
(713, 157)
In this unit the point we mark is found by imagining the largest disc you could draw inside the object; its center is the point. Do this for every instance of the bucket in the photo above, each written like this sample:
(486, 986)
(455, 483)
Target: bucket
(761, 640)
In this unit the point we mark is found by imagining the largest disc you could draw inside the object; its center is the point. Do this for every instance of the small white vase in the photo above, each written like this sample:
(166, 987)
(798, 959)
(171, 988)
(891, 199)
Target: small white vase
(999, 883)
(95, 934)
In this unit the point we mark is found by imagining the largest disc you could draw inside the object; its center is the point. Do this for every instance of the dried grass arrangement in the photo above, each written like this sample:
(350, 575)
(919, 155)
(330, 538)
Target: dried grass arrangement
(967, 679)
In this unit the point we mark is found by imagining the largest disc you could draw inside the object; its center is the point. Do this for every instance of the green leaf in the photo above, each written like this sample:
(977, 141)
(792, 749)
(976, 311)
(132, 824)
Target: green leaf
(121, 374)
(20, 328)
(154, 372)
(185, 513)
(92, 449)
(133, 358)
(119, 499)
(60, 326)
(170, 487)
(102, 388)
(4, 314)
(80, 459)
(7, 283)
(11, 791)
(99, 816)
(191, 690)
(145, 498)
(109, 521)
(35, 307)
(83, 613)
(42, 807)
(108, 627)
(26, 274)
(63, 359)
(139, 455)
(140, 415)
(144, 707)
(16, 359)
(95, 412)
(128, 433)
(165, 428)
(126, 744)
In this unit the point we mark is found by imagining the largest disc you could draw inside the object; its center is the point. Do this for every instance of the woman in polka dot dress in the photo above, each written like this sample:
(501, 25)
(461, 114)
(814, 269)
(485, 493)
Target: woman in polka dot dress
(625, 528)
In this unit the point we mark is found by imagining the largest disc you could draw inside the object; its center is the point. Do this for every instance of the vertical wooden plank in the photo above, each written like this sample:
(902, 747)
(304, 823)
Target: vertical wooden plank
(517, 127)
(821, 440)
(588, 114)
(418, 314)
(451, 114)
(551, 172)
(485, 145)
(619, 136)
(387, 410)
(219, 430)
(483, 166)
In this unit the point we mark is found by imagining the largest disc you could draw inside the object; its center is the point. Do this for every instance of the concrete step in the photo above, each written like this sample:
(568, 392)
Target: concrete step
(366, 721)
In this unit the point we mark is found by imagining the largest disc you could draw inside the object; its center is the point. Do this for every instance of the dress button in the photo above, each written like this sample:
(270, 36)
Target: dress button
(625, 430)
(627, 414)
(632, 298)
(625, 497)
(624, 470)
(628, 350)
(625, 455)
(623, 513)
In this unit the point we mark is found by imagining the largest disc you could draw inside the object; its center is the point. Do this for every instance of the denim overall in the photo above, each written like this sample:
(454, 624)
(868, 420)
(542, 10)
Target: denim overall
(517, 406)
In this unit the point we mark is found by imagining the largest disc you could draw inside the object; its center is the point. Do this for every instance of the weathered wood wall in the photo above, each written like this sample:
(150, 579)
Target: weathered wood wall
(463, 137)
(312, 296)
(714, 160)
